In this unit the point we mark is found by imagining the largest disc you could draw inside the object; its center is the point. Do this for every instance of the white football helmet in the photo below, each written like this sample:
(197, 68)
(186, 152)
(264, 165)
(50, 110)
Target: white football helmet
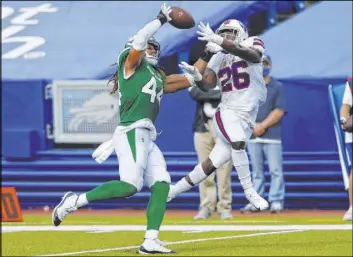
(151, 59)
(233, 30)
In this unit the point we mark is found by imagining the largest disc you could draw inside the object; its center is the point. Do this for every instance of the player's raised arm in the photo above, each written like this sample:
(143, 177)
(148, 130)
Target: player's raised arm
(250, 53)
(140, 40)
(205, 82)
(193, 73)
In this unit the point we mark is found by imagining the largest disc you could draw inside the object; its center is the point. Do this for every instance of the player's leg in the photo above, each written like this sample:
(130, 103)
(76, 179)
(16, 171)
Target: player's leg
(237, 132)
(258, 175)
(157, 179)
(273, 152)
(204, 144)
(224, 204)
(348, 214)
(132, 155)
(132, 152)
(219, 155)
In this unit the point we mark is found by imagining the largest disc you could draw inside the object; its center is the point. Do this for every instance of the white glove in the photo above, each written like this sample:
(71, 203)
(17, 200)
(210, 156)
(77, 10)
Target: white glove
(166, 10)
(207, 34)
(213, 47)
(342, 122)
(209, 110)
(103, 151)
(191, 73)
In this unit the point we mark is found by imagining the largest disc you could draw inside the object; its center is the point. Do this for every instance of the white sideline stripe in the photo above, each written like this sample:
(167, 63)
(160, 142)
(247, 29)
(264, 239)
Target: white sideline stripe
(174, 243)
(177, 227)
(231, 221)
(195, 231)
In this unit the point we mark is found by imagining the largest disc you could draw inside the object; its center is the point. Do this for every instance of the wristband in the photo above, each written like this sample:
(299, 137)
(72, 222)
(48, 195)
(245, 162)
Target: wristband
(161, 17)
(207, 55)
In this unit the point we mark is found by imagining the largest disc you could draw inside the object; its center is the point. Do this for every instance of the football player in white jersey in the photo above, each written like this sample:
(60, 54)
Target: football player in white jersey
(237, 69)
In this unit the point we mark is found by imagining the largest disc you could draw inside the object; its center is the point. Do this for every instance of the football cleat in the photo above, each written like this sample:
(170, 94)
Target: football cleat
(64, 208)
(258, 202)
(153, 246)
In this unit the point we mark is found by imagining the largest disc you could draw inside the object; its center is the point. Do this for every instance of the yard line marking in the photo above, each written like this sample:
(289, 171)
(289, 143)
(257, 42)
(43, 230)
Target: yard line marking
(176, 227)
(195, 231)
(174, 243)
(100, 231)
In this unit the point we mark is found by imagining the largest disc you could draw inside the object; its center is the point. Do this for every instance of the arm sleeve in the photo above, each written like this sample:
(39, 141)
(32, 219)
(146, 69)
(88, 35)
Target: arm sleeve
(199, 95)
(215, 63)
(141, 38)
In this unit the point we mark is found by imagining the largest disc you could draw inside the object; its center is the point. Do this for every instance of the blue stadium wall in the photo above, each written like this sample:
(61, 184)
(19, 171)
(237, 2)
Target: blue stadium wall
(311, 165)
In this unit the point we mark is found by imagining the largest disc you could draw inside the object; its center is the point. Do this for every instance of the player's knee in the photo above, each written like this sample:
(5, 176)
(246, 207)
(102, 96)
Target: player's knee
(135, 184)
(208, 166)
(238, 145)
(239, 157)
(160, 186)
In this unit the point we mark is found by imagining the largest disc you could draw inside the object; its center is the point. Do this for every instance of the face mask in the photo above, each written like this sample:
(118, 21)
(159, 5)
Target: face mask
(151, 59)
(266, 71)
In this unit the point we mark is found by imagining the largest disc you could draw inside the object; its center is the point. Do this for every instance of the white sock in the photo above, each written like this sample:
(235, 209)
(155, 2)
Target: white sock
(151, 234)
(180, 187)
(241, 164)
(196, 176)
(82, 200)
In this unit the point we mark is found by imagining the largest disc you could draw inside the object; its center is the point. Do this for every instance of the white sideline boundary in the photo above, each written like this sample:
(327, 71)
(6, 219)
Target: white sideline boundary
(176, 242)
(184, 228)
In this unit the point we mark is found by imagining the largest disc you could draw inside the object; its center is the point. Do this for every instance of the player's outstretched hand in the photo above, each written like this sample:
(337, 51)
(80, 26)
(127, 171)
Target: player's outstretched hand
(193, 71)
(165, 12)
(213, 47)
(207, 34)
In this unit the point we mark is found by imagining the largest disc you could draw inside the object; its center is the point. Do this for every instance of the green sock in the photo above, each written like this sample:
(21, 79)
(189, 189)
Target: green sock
(157, 205)
(110, 190)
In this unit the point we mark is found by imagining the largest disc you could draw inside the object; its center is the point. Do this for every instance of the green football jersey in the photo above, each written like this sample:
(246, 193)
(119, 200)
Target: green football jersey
(140, 93)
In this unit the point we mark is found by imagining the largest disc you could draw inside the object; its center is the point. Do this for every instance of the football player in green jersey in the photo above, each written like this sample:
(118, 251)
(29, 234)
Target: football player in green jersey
(141, 85)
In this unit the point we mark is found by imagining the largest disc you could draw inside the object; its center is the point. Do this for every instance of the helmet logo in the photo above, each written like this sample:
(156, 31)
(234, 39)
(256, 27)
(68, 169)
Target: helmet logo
(244, 28)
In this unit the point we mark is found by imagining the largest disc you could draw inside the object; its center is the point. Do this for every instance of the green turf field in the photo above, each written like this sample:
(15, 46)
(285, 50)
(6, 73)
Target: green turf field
(121, 235)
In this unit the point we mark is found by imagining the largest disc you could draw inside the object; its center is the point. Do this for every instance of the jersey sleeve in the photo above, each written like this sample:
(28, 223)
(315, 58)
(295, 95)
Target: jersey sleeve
(215, 63)
(123, 55)
(347, 97)
(258, 44)
(121, 59)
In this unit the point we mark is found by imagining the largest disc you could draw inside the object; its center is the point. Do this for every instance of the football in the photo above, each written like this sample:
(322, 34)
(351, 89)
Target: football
(348, 126)
(181, 18)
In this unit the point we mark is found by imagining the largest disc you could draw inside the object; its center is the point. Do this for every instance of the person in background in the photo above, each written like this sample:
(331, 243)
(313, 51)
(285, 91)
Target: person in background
(204, 141)
(266, 142)
(345, 112)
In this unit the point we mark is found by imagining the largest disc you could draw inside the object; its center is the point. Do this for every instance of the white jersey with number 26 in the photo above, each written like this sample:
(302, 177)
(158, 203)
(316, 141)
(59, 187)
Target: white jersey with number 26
(242, 83)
